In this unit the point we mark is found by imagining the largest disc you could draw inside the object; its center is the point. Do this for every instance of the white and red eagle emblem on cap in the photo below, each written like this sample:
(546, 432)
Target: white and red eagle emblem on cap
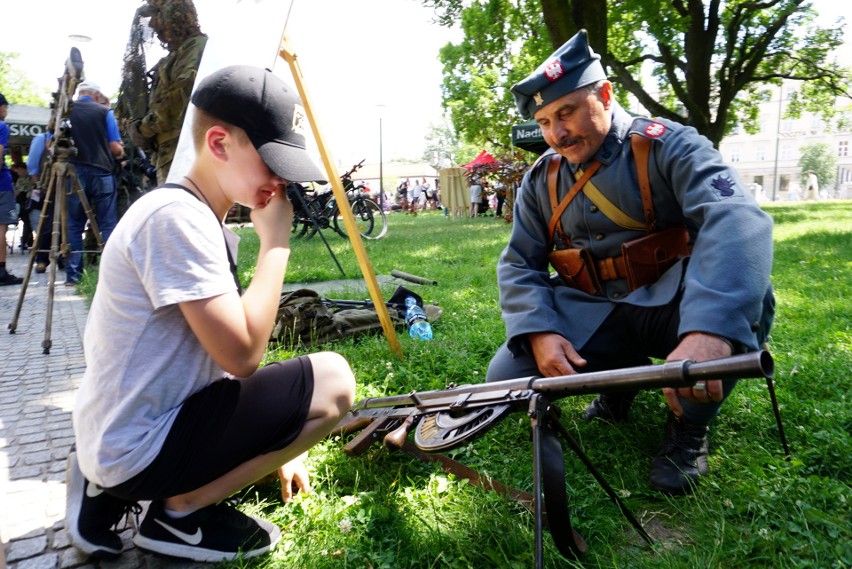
(554, 71)
(655, 130)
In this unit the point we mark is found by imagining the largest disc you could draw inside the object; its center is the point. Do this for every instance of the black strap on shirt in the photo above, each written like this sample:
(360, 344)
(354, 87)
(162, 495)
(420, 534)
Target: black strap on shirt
(233, 265)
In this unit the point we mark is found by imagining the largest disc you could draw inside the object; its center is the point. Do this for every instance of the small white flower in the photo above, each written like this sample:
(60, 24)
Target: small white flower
(728, 503)
(389, 365)
(345, 525)
(475, 372)
(625, 493)
(764, 533)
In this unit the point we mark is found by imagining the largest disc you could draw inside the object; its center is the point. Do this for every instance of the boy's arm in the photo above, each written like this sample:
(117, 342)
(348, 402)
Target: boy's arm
(235, 330)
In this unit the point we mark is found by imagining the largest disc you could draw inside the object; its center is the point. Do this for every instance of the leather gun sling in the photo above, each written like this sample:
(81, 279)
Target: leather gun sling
(569, 543)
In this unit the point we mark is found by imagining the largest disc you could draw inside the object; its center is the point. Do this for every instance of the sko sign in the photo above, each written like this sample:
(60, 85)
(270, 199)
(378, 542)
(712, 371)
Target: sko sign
(27, 130)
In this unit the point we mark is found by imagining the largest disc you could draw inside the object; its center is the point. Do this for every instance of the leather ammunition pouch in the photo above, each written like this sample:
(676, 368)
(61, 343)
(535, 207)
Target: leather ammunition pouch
(647, 258)
(576, 268)
(643, 261)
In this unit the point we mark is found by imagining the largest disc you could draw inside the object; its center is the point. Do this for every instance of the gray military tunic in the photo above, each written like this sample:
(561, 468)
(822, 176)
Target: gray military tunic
(724, 284)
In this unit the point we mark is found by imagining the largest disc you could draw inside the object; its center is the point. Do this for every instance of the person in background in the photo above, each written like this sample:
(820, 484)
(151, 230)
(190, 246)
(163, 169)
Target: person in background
(176, 25)
(706, 296)
(23, 187)
(475, 197)
(8, 206)
(36, 159)
(98, 142)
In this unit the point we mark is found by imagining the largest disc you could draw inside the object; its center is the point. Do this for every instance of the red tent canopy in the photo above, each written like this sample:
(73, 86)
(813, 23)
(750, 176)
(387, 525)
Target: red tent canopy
(484, 159)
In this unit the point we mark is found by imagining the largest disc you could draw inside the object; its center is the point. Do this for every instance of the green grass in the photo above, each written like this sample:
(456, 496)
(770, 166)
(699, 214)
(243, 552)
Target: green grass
(754, 509)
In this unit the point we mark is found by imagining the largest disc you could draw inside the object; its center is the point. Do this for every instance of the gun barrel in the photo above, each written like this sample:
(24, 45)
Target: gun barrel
(669, 374)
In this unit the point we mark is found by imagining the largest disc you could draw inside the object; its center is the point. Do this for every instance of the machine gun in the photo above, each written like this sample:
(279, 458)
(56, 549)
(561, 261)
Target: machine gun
(448, 418)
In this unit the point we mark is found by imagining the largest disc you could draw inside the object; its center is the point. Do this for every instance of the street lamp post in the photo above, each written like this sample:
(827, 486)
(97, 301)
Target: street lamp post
(381, 107)
(381, 176)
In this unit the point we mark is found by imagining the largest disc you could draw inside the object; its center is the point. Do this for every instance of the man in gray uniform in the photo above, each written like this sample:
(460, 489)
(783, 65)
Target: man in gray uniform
(712, 245)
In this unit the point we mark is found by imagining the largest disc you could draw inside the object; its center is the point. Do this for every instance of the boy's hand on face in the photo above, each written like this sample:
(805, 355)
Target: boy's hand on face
(272, 220)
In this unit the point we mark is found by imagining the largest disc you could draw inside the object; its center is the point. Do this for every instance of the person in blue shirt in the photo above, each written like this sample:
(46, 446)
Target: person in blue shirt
(98, 142)
(35, 164)
(8, 205)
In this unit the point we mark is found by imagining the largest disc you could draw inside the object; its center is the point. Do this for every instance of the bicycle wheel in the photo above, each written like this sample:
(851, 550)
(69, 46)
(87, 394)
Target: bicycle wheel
(371, 221)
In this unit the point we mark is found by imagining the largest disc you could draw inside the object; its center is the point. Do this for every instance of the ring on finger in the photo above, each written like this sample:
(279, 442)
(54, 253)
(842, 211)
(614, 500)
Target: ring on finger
(699, 387)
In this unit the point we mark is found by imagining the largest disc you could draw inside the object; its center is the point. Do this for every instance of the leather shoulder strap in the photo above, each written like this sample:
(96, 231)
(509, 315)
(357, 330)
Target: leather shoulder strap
(559, 208)
(642, 154)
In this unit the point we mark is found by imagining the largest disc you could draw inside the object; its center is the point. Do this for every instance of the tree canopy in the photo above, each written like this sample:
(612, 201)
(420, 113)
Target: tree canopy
(820, 158)
(14, 84)
(704, 63)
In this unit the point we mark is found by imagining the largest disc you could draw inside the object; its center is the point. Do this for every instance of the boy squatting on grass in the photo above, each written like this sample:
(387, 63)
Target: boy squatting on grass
(172, 407)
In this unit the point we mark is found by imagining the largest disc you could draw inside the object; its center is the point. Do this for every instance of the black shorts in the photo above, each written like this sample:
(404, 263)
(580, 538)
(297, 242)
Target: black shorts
(225, 425)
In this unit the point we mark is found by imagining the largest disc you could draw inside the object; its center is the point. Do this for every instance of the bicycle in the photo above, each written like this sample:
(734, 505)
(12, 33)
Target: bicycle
(365, 211)
(321, 211)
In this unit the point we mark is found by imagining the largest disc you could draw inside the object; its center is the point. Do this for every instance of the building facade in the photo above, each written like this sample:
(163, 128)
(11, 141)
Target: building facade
(768, 161)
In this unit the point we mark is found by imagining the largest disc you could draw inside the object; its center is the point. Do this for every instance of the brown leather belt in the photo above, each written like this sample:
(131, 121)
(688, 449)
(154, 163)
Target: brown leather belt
(612, 268)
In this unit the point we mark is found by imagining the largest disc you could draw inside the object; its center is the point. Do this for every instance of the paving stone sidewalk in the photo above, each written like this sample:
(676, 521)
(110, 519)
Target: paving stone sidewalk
(36, 397)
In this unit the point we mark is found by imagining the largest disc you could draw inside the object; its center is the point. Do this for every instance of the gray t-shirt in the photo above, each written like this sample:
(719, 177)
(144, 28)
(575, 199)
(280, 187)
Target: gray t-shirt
(142, 358)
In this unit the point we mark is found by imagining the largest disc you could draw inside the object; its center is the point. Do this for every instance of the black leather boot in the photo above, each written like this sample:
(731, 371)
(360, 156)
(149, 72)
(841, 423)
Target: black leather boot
(612, 407)
(683, 458)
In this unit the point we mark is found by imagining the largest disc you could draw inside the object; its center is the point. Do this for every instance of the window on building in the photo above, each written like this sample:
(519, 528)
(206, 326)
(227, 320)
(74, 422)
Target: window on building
(787, 125)
(843, 148)
(816, 122)
(760, 153)
(786, 152)
(735, 155)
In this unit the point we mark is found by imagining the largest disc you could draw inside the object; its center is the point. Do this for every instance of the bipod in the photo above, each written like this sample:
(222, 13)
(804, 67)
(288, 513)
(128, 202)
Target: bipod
(62, 179)
(302, 206)
(549, 483)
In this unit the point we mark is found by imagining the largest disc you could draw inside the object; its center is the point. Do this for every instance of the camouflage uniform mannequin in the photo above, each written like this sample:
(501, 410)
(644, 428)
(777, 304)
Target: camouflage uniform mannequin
(176, 25)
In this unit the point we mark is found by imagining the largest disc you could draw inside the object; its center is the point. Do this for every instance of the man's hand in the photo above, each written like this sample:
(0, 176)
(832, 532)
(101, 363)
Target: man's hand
(137, 137)
(293, 474)
(699, 347)
(554, 355)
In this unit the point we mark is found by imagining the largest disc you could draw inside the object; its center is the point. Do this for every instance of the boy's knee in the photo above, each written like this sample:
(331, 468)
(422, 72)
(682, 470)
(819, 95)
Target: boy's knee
(338, 381)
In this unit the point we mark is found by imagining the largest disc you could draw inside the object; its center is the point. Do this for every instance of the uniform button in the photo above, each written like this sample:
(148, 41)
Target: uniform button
(616, 295)
(599, 236)
(593, 209)
(755, 326)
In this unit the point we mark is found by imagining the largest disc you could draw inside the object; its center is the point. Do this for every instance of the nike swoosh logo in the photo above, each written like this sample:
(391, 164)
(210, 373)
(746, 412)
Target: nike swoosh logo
(93, 490)
(191, 539)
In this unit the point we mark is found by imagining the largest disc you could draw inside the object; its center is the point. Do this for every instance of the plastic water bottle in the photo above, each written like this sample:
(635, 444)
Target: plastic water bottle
(418, 325)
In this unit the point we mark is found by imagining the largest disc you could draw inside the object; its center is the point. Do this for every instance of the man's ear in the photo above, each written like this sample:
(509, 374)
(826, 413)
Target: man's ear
(216, 139)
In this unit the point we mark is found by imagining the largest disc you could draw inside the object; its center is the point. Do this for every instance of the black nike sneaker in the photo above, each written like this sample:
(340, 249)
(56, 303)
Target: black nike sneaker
(91, 514)
(215, 533)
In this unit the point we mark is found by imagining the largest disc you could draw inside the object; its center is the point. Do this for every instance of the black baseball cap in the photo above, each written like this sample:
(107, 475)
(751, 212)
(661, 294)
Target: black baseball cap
(270, 112)
(3, 100)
